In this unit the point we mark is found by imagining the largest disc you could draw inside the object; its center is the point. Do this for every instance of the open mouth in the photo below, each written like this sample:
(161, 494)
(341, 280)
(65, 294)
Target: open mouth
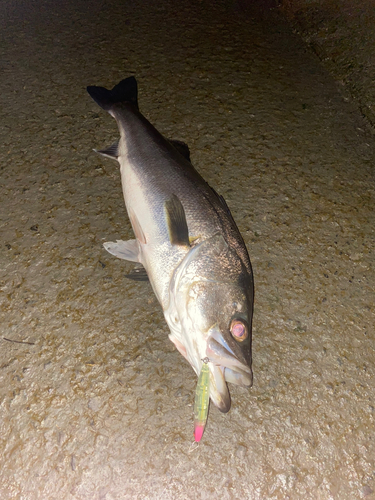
(225, 367)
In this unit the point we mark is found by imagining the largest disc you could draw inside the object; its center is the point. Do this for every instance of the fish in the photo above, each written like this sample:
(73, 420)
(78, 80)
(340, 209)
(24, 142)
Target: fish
(186, 244)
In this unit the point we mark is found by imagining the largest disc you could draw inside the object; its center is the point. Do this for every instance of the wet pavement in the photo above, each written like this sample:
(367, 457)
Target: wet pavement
(95, 402)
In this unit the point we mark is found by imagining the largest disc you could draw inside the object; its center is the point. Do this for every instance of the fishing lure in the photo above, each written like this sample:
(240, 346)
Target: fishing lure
(202, 401)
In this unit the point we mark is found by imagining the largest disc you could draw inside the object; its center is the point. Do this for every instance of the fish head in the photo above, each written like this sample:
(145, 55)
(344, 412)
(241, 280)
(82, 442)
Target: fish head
(210, 314)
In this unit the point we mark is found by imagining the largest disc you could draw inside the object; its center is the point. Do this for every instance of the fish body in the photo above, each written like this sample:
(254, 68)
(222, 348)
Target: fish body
(186, 243)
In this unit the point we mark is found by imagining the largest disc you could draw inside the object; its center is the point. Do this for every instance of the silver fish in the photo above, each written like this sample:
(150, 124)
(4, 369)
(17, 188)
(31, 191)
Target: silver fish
(186, 243)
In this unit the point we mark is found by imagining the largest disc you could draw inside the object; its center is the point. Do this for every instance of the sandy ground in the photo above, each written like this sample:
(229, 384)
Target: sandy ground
(96, 403)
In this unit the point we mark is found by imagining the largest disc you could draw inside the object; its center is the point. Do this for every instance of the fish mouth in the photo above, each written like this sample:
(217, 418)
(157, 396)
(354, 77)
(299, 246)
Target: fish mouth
(225, 366)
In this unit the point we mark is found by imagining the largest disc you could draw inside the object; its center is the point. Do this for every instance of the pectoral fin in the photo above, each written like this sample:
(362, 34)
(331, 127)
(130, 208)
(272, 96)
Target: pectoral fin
(176, 221)
(127, 250)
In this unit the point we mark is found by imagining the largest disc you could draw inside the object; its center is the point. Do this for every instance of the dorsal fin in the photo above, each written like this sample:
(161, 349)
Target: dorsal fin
(181, 147)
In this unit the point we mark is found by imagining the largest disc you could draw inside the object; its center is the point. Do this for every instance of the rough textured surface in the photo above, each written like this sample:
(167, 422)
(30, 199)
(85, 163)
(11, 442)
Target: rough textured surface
(98, 404)
(342, 34)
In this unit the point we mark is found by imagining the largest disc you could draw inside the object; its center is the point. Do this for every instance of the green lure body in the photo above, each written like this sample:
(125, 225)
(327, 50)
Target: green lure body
(202, 401)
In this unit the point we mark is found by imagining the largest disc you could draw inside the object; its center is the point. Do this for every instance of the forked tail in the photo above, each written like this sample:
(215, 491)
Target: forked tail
(125, 91)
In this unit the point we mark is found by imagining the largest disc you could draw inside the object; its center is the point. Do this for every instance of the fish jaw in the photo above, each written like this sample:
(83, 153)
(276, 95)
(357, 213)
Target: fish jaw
(226, 367)
(236, 368)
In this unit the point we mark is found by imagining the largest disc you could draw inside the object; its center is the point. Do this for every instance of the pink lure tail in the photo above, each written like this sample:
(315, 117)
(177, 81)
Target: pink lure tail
(198, 432)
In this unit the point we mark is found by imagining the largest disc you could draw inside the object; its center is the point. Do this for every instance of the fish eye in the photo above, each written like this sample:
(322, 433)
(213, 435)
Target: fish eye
(239, 330)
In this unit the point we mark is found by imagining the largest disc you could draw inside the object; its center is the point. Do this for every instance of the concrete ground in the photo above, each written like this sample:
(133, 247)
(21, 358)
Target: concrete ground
(95, 402)
(342, 34)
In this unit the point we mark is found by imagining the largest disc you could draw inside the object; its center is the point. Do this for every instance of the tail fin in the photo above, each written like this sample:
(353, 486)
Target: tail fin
(125, 91)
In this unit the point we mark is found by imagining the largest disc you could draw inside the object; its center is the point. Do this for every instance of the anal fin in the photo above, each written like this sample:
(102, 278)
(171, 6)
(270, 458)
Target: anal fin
(110, 152)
